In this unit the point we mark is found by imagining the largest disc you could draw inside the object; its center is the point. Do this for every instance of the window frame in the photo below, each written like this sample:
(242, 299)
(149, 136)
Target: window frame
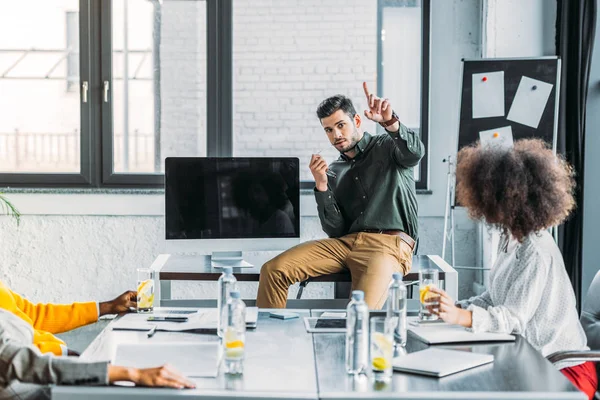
(422, 184)
(105, 143)
(96, 141)
(84, 177)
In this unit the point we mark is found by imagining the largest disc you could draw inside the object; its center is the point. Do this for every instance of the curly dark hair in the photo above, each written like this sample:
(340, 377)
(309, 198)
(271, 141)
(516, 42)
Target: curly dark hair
(520, 191)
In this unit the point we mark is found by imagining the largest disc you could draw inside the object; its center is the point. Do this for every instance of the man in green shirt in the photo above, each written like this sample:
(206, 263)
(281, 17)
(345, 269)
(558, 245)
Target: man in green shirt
(366, 201)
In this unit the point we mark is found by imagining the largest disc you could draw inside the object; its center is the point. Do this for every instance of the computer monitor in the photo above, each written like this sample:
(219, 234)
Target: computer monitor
(223, 206)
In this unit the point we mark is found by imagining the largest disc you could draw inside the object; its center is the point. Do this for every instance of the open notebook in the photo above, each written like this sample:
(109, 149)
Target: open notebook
(440, 362)
(442, 333)
(203, 320)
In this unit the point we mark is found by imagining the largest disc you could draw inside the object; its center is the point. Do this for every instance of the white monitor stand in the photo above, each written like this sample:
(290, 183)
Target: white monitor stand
(234, 259)
(228, 252)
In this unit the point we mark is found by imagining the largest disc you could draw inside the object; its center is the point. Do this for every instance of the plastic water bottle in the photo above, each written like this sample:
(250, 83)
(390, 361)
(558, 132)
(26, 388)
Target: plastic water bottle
(226, 284)
(357, 334)
(396, 308)
(234, 334)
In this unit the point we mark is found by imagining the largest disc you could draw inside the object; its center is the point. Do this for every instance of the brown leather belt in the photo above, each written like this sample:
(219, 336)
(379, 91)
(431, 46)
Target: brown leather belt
(403, 235)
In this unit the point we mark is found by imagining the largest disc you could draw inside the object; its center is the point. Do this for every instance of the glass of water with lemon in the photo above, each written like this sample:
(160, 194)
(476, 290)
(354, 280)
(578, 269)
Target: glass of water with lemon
(145, 290)
(382, 347)
(430, 302)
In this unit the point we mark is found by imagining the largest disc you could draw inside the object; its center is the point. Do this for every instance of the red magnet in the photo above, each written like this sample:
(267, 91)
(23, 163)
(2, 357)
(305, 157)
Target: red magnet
(484, 78)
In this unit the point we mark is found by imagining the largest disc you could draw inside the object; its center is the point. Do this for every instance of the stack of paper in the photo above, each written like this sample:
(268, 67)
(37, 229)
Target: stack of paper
(440, 333)
(205, 319)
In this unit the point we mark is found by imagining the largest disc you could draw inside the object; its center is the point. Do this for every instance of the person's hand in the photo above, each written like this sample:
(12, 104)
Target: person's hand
(449, 312)
(318, 168)
(122, 304)
(380, 110)
(165, 376)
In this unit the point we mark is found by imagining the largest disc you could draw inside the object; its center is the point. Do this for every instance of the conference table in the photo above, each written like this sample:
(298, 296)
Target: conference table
(283, 361)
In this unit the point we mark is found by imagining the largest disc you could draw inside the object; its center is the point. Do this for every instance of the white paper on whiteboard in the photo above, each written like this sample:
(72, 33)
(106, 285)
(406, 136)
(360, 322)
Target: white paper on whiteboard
(499, 138)
(529, 103)
(488, 95)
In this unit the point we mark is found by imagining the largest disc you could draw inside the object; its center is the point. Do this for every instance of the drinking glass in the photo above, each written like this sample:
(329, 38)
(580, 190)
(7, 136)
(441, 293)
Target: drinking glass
(430, 302)
(145, 290)
(382, 346)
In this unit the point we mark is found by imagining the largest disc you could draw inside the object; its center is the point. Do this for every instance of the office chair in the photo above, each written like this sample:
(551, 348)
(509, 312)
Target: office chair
(590, 320)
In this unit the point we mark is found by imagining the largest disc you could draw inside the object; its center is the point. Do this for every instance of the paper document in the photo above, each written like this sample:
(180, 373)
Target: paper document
(530, 101)
(500, 138)
(447, 333)
(204, 319)
(191, 359)
(440, 362)
(488, 95)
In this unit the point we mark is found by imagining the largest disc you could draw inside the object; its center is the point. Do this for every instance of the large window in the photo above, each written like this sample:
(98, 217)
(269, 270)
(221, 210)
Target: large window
(159, 83)
(403, 66)
(40, 121)
(98, 93)
(287, 59)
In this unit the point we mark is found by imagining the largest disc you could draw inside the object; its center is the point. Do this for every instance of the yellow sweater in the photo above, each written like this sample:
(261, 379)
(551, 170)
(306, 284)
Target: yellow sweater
(47, 319)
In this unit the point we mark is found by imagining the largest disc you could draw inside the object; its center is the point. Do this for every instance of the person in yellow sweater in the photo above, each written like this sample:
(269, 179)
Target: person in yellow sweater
(49, 319)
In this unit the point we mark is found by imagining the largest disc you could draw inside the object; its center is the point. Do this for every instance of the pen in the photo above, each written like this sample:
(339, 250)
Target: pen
(151, 331)
(329, 172)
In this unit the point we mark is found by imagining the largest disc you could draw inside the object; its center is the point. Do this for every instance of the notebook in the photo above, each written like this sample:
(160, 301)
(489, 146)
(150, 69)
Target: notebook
(440, 362)
(204, 320)
(442, 333)
(325, 325)
(191, 359)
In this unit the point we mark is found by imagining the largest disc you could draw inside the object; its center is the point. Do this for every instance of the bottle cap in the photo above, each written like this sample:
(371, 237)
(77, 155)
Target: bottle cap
(397, 276)
(227, 270)
(358, 295)
(235, 294)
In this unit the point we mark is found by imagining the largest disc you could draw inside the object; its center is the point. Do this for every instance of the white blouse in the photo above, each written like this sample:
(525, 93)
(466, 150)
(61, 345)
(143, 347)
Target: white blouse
(530, 294)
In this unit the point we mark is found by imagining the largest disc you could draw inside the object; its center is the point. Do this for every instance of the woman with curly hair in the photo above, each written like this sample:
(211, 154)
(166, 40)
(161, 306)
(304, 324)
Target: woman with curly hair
(522, 192)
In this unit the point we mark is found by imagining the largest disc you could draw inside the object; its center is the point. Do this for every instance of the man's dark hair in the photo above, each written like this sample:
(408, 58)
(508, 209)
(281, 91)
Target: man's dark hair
(334, 103)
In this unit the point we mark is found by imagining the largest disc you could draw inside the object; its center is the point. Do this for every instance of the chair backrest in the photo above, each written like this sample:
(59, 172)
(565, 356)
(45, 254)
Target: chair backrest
(590, 318)
(590, 314)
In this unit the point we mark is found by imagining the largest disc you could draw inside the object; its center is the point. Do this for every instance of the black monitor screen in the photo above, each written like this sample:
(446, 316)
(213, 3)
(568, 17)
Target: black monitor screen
(232, 198)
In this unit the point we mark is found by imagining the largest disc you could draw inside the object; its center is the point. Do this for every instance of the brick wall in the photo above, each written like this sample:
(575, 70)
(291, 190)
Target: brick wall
(288, 56)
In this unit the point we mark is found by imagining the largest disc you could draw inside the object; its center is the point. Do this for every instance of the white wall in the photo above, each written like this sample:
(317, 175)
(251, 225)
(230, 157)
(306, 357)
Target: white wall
(514, 28)
(591, 212)
(456, 33)
(64, 258)
(519, 28)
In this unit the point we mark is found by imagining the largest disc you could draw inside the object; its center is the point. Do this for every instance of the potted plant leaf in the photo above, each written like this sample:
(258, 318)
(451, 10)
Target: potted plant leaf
(9, 209)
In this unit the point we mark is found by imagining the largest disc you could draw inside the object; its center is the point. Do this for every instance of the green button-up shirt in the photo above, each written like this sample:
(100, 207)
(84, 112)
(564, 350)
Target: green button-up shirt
(376, 188)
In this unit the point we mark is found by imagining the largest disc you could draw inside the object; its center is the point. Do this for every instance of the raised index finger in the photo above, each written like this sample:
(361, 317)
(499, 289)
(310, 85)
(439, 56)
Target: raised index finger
(366, 89)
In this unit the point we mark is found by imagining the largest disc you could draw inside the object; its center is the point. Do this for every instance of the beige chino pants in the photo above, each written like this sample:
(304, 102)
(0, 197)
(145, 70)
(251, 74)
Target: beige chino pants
(371, 259)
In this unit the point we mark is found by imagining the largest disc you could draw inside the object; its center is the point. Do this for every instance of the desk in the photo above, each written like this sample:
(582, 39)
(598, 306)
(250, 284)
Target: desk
(518, 372)
(285, 362)
(170, 268)
(279, 364)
